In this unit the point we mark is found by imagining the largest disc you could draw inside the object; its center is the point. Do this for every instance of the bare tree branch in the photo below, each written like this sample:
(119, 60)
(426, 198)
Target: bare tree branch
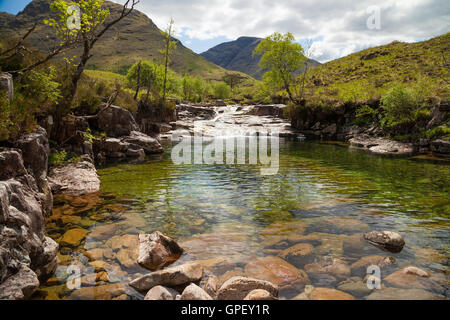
(20, 42)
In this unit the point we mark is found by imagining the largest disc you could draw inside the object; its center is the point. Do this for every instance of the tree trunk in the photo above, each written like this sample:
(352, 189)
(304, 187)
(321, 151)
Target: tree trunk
(138, 86)
(165, 68)
(80, 68)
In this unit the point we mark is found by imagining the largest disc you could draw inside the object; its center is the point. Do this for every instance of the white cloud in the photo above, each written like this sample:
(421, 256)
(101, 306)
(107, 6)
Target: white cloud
(340, 24)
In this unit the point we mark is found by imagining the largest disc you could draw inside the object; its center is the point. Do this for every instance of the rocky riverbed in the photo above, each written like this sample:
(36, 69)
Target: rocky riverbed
(314, 240)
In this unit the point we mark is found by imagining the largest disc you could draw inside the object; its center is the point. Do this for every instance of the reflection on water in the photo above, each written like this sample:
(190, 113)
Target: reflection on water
(229, 215)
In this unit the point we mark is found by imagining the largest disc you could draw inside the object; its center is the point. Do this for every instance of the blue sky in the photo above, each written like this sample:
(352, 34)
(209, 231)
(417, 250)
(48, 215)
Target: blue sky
(13, 6)
(338, 27)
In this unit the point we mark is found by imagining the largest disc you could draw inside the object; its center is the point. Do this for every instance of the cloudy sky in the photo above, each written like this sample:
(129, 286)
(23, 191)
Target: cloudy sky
(337, 27)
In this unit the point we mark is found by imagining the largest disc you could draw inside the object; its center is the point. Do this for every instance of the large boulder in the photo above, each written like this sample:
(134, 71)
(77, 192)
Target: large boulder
(76, 179)
(441, 148)
(359, 267)
(381, 146)
(413, 277)
(170, 277)
(20, 286)
(149, 144)
(237, 288)
(157, 250)
(11, 164)
(288, 278)
(386, 240)
(116, 121)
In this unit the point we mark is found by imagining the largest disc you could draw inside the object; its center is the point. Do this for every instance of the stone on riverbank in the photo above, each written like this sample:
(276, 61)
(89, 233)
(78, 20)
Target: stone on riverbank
(194, 292)
(237, 288)
(171, 277)
(381, 146)
(260, 295)
(413, 277)
(116, 121)
(76, 179)
(323, 294)
(386, 240)
(157, 250)
(161, 293)
(19, 286)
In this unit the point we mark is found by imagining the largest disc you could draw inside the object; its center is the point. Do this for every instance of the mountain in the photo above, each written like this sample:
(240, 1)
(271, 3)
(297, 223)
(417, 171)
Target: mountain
(136, 37)
(238, 56)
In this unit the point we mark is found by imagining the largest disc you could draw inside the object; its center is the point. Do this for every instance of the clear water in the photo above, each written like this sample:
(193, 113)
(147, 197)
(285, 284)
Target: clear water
(230, 211)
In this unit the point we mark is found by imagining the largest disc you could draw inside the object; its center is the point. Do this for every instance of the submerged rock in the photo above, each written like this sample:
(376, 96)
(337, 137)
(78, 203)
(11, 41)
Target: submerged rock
(413, 277)
(170, 277)
(403, 294)
(260, 295)
(386, 240)
(329, 265)
(323, 294)
(359, 268)
(298, 255)
(275, 270)
(157, 250)
(237, 288)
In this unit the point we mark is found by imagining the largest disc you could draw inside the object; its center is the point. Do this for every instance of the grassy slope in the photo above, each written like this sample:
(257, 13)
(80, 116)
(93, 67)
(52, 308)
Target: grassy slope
(366, 75)
(135, 37)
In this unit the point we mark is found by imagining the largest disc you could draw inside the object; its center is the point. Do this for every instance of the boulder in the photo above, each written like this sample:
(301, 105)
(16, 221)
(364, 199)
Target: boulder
(11, 164)
(170, 277)
(441, 148)
(157, 250)
(329, 265)
(324, 294)
(20, 286)
(413, 277)
(386, 240)
(381, 146)
(355, 286)
(403, 294)
(237, 288)
(147, 143)
(104, 292)
(116, 121)
(298, 255)
(73, 238)
(359, 267)
(211, 285)
(260, 295)
(194, 292)
(76, 179)
(161, 293)
(275, 270)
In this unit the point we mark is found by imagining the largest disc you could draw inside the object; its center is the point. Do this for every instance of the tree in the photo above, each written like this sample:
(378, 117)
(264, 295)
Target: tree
(282, 57)
(222, 91)
(308, 47)
(91, 27)
(233, 79)
(169, 46)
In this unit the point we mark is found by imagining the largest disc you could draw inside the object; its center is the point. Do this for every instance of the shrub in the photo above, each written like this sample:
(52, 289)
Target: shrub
(401, 104)
(222, 91)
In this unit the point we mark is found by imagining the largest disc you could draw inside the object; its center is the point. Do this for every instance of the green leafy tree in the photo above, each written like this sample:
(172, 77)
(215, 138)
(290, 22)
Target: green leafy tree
(155, 77)
(222, 91)
(167, 51)
(282, 57)
(85, 25)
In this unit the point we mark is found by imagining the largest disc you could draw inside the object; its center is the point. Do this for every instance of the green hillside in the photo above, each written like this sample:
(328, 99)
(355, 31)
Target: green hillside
(135, 37)
(368, 74)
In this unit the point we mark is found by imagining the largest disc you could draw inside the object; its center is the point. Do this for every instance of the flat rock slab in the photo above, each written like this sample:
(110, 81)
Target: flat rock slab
(76, 179)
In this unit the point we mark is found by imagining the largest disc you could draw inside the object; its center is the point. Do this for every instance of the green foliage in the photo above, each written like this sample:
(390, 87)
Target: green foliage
(221, 91)
(92, 15)
(401, 104)
(57, 158)
(153, 75)
(282, 57)
(365, 115)
(195, 89)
